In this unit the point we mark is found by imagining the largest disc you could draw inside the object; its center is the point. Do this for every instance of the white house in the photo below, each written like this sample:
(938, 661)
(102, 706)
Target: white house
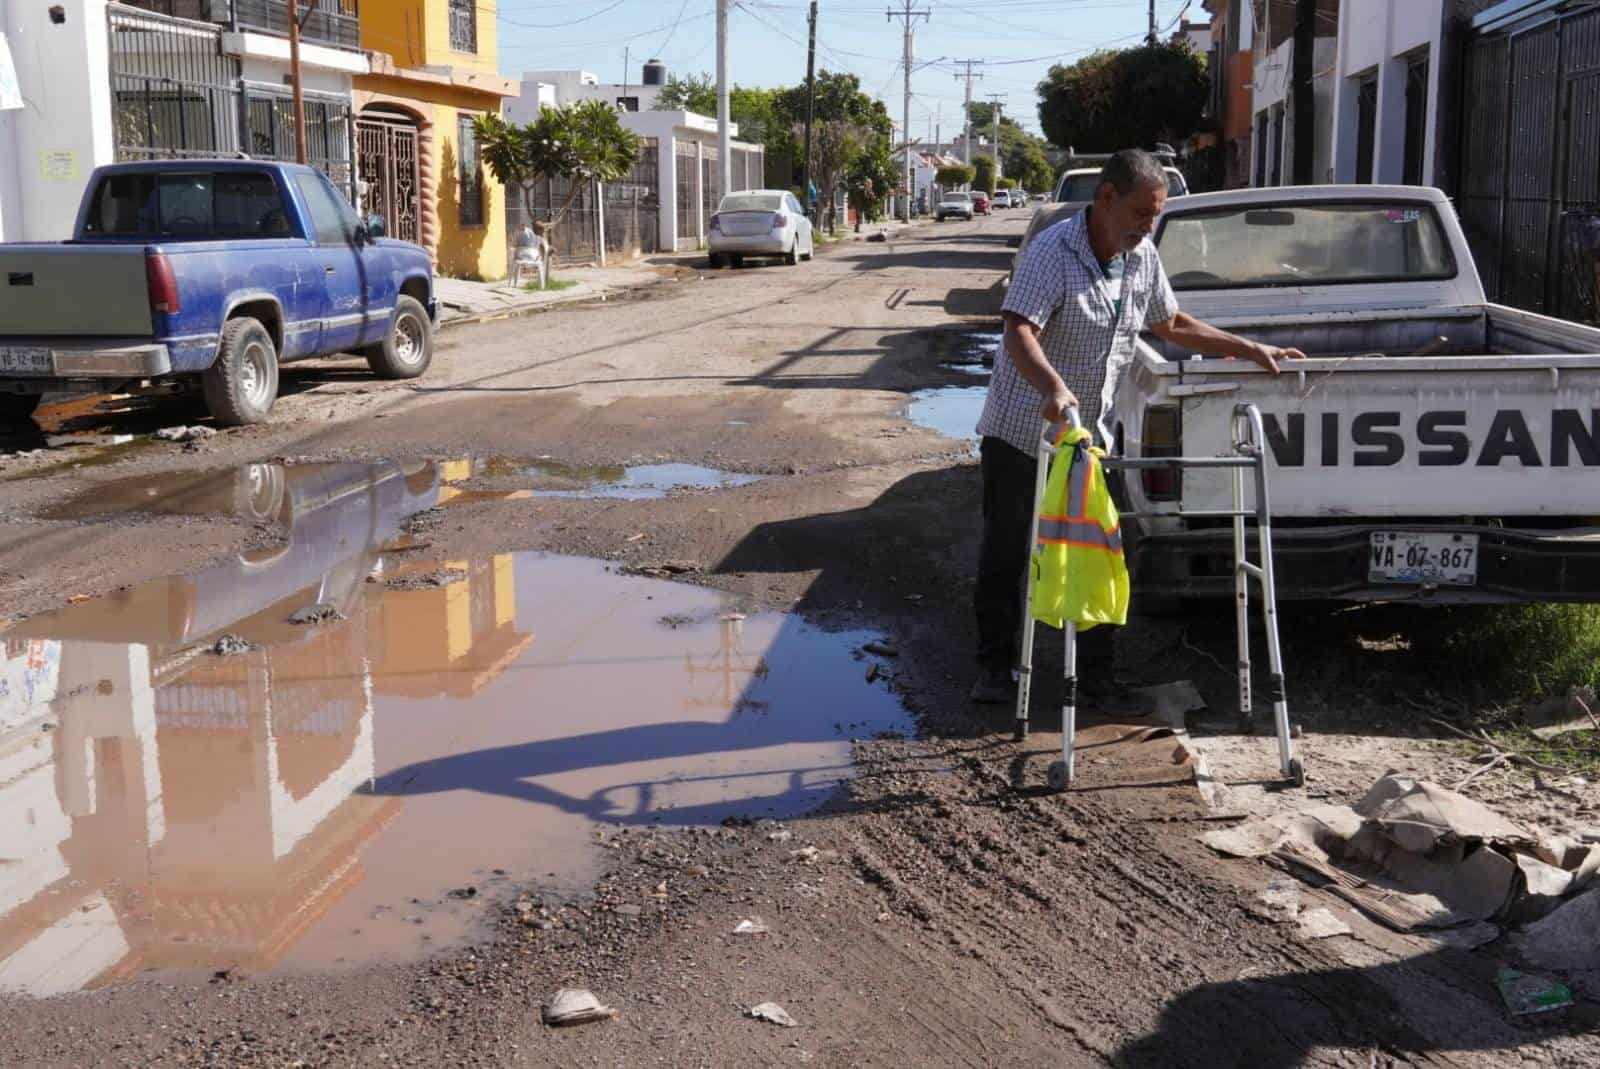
(99, 82)
(1272, 94)
(555, 88)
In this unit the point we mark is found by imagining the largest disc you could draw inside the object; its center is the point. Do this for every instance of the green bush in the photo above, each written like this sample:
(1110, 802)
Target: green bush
(1515, 651)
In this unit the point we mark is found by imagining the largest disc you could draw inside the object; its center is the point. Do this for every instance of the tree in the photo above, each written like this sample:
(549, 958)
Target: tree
(1030, 167)
(1108, 101)
(959, 175)
(870, 178)
(834, 145)
(696, 93)
(983, 173)
(1005, 183)
(582, 142)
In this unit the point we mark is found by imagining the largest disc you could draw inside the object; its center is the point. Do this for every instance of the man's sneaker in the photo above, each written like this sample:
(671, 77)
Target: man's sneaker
(994, 686)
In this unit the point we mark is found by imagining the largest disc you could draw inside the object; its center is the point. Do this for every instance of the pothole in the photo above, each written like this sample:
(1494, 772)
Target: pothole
(952, 411)
(327, 795)
(547, 477)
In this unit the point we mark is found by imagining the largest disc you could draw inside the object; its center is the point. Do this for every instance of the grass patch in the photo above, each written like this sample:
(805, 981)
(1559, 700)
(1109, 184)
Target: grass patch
(1515, 651)
(1576, 751)
(554, 285)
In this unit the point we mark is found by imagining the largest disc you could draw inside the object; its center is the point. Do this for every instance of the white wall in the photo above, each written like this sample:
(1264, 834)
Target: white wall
(1377, 36)
(559, 88)
(66, 117)
(1274, 85)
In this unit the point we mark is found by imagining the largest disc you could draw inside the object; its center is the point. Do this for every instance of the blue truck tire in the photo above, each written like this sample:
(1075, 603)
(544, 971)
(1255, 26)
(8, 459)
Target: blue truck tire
(407, 347)
(241, 385)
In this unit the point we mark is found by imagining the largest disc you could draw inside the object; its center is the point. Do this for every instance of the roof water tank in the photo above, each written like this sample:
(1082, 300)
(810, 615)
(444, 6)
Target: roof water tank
(655, 73)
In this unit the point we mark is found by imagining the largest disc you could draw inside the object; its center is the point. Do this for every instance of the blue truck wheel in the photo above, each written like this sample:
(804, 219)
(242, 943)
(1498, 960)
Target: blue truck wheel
(407, 349)
(242, 384)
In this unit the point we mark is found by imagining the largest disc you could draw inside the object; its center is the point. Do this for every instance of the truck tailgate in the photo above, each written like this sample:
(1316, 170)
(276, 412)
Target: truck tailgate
(1430, 436)
(81, 290)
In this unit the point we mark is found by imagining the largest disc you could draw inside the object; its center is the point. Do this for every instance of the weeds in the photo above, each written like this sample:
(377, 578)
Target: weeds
(554, 285)
(1515, 651)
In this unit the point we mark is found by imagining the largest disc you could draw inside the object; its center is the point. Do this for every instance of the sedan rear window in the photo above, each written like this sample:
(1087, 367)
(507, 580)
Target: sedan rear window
(1301, 244)
(957, 198)
(752, 202)
(201, 204)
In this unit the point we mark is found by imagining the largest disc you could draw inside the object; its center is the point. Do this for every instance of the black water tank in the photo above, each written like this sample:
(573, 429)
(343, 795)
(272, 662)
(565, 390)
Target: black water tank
(655, 73)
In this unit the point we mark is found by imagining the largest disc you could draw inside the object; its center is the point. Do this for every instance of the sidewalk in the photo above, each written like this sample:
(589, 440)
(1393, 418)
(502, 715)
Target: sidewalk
(461, 301)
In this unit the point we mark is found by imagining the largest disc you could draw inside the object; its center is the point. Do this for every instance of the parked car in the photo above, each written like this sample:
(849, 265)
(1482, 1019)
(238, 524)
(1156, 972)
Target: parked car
(1075, 190)
(955, 205)
(215, 271)
(1002, 198)
(1433, 447)
(980, 202)
(760, 222)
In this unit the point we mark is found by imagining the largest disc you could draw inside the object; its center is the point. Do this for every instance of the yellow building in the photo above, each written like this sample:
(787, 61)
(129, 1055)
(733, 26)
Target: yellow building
(434, 67)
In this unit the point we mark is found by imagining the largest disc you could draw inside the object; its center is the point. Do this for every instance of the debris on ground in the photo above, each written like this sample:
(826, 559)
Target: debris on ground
(1416, 856)
(464, 892)
(1282, 898)
(1576, 711)
(880, 649)
(772, 1012)
(751, 927)
(574, 1005)
(185, 434)
(231, 645)
(1566, 938)
(675, 620)
(1525, 993)
(1322, 924)
(433, 580)
(315, 614)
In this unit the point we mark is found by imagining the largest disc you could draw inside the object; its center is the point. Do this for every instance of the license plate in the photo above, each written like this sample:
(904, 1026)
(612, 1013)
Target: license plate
(1418, 557)
(15, 359)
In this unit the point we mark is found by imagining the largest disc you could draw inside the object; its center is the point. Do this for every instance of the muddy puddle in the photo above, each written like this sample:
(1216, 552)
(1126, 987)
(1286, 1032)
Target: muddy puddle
(969, 352)
(952, 411)
(547, 477)
(360, 789)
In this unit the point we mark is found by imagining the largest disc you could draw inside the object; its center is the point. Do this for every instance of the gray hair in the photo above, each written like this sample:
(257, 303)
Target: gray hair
(1132, 169)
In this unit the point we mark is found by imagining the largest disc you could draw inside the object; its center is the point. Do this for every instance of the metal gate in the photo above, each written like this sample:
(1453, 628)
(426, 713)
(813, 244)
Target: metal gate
(633, 206)
(174, 93)
(386, 172)
(687, 185)
(1529, 170)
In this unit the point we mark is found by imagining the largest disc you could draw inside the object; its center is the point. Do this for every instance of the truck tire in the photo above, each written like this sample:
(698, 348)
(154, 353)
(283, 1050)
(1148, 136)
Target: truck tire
(17, 409)
(242, 384)
(407, 350)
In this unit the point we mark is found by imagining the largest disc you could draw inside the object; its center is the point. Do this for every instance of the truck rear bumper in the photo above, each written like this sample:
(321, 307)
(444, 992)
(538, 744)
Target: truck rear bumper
(1514, 564)
(77, 362)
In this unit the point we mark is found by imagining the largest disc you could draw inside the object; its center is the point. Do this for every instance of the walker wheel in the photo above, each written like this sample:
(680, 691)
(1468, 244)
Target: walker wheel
(1297, 773)
(1057, 776)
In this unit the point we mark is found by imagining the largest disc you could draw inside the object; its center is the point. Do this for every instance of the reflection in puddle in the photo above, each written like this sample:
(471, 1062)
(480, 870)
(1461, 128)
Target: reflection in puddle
(312, 802)
(640, 482)
(952, 411)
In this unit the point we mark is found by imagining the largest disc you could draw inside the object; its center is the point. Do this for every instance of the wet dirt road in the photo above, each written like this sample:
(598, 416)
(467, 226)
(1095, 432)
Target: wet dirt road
(599, 614)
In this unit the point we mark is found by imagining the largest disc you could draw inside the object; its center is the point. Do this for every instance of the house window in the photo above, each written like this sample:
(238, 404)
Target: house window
(1416, 117)
(1366, 127)
(470, 177)
(627, 103)
(464, 25)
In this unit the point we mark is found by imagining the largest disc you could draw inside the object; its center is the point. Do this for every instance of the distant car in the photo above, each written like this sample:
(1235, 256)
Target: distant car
(956, 205)
(1076, 189)
(1002, 198)
(760, 222)
(980, 202)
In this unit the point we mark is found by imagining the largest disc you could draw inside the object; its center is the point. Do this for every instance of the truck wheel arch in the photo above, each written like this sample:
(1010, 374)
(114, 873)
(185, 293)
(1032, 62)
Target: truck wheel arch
(265, 310)
(416, 287)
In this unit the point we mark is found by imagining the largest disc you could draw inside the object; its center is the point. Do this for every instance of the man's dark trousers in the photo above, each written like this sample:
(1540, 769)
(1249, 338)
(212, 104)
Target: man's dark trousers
(1008, 477)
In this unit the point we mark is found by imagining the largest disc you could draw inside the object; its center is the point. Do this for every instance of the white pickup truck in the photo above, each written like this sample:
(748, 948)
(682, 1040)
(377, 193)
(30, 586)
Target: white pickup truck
(1433, 446)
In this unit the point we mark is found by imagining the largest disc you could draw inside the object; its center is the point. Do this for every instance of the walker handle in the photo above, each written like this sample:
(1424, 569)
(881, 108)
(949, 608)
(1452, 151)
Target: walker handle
(1052, 431)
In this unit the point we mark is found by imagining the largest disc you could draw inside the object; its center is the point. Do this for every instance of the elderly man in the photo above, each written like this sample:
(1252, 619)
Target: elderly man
(1082, 293)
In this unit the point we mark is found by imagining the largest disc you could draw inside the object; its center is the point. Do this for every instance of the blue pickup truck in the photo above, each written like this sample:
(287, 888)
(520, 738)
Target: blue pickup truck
(212, 272)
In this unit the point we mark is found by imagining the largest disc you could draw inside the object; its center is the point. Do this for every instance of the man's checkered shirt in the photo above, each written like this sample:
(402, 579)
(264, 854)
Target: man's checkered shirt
(1059, 287)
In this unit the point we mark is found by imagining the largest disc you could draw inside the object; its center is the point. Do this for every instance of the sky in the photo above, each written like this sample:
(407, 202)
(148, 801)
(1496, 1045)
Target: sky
(1018, 39)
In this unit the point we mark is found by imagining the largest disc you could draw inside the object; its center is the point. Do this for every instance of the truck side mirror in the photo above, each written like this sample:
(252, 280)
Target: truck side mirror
(375, 226)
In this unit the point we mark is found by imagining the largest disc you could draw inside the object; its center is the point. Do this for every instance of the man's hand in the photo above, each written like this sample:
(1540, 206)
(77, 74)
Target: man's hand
(1270, 356)
(1056, 405)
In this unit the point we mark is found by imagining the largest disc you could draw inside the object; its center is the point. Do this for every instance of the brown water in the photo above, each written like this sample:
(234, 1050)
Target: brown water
(312, 803)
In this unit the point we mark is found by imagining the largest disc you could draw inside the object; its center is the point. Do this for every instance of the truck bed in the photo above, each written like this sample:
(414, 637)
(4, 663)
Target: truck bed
(60, 290)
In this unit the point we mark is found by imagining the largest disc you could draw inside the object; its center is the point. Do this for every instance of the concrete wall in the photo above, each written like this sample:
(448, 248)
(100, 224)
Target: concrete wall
(1274, 86)
(557, 88)
(417, 34)
(1376, 38)
(63, 131)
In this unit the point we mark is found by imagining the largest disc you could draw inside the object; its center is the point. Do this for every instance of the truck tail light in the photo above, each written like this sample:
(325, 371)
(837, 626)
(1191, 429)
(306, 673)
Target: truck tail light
(779, 221)
(1163, 437)
(162, 282)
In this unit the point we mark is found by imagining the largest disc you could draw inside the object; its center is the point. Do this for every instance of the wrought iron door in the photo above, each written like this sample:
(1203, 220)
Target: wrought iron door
(386, 164)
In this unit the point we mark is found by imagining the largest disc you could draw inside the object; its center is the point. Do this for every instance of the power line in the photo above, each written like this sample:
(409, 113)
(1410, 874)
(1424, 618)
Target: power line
(909, 15)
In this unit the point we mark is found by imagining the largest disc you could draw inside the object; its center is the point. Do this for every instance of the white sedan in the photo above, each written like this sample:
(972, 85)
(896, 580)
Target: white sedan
(760, 222)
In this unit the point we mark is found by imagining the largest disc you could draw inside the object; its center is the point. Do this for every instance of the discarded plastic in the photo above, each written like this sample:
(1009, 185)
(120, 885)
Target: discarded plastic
(185, 434)
(772, 1013)
(751, 927)
(1282, 897)
(574, 1005)
(1322, 924)
(1525, 993)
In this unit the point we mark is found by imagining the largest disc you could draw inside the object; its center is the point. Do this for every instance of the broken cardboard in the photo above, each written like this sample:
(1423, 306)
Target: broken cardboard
(1418, 815)
(1567, 938)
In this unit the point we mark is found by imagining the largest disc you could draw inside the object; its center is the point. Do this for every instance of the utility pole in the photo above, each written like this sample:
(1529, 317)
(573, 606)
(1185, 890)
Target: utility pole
(999, 100)
(627, 56)
(811, 107)
(1150, 38)
(966, 111)
(909, 14)
(294, 79)
(1305, 97)
(724, 150)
